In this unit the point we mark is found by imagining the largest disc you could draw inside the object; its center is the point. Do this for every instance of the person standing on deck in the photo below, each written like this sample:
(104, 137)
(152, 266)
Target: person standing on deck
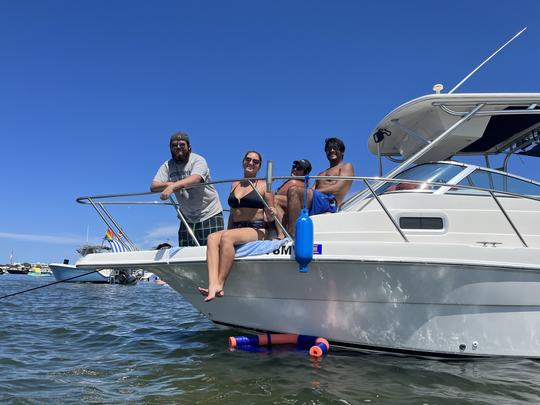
(200, 206)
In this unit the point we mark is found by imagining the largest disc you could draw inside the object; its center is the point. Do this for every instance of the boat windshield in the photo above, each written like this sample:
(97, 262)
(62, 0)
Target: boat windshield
(428, 172)
(500, 182)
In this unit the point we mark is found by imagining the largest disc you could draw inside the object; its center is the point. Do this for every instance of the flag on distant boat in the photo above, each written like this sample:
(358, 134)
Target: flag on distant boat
(109, 235)
(116, 245)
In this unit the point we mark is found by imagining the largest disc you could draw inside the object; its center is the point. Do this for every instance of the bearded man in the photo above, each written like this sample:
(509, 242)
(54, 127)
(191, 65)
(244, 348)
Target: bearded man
(200, 206)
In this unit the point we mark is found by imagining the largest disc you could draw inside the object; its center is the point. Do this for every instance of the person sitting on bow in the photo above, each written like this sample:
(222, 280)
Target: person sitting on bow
(247, 222)
(300, 167)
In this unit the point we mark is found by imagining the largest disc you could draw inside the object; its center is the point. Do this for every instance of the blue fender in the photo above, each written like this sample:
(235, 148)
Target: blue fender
(303, 243)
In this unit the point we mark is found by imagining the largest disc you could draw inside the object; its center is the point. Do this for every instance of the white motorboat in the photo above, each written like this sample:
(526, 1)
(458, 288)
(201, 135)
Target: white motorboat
(69, 273)
(439, 258)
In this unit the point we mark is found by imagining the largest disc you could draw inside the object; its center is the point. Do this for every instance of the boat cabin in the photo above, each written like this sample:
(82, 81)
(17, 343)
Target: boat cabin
(425, 135)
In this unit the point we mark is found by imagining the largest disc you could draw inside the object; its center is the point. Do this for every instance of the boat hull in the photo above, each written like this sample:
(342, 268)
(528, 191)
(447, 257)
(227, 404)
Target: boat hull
(17, 271)
(424, 308)
(71, 274)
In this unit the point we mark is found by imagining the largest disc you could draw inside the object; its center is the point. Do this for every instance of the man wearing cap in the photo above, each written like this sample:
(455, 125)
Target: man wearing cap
(200, 206)
(326, 195)
(300, 167)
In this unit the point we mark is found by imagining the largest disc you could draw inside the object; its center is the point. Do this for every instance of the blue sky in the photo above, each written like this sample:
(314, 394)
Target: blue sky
(90, 92)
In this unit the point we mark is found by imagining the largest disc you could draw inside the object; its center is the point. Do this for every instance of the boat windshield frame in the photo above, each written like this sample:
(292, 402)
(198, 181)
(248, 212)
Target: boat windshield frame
(456, 179)
(430, 176)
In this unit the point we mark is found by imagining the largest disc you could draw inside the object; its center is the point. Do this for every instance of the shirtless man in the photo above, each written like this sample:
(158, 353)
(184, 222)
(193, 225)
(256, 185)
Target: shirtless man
(300, 167)
(326, 195)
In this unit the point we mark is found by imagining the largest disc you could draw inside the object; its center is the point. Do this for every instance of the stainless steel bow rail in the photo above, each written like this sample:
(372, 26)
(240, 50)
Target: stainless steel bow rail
(99, 205)
(98, 202)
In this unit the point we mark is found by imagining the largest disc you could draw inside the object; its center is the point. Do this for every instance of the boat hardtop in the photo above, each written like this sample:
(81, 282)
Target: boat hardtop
(504, 119)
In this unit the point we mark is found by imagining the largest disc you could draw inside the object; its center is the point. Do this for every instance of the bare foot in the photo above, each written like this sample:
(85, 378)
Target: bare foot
(203, 291)
(210, 296)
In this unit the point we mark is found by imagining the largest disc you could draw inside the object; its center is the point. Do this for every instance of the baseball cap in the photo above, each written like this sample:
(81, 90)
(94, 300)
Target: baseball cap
(303, 164)
(179, 136)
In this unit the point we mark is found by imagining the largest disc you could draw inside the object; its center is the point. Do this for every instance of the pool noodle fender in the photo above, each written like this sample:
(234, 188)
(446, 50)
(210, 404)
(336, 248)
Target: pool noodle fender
(317, 346)
(239, 341)
(320, 348)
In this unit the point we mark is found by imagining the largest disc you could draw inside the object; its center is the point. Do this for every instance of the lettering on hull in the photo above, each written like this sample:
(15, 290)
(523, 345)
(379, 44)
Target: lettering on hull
(289, 250)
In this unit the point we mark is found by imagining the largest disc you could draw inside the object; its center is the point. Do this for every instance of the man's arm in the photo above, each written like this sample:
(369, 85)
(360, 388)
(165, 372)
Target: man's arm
(159, 185)
(171, 187)
(161, 179)
(291, 183)
(339, 187)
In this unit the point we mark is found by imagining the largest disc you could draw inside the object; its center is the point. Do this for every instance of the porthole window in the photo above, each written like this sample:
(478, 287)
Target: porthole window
(421, 223)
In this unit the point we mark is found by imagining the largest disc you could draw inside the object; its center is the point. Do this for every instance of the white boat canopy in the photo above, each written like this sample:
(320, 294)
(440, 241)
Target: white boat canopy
(499, 122)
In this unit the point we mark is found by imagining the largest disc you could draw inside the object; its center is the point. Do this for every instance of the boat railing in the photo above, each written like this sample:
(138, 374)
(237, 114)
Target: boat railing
(98, 202)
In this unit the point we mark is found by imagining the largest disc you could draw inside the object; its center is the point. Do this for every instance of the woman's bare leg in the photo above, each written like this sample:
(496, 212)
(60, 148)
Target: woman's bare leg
(212, 260)
(229, 239)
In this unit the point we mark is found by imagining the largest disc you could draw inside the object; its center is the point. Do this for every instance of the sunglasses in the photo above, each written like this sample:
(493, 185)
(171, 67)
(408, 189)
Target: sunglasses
(296, 167)
(179, 145)
(330, 148)
(251, 160)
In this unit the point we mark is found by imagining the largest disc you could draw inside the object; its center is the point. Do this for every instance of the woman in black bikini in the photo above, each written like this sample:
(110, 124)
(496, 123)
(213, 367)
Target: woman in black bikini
(246, 223)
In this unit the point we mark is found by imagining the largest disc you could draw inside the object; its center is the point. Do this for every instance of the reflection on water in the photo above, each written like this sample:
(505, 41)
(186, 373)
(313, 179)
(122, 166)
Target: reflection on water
(112, 343)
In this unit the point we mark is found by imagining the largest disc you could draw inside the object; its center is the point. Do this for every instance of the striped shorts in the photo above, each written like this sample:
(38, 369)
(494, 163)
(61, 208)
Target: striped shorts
(201, 230)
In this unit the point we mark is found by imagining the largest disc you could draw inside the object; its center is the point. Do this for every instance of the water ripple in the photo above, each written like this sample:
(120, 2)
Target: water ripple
(144, 344)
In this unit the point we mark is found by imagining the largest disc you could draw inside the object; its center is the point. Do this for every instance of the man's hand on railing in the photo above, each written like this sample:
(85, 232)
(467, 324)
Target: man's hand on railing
(166, 193)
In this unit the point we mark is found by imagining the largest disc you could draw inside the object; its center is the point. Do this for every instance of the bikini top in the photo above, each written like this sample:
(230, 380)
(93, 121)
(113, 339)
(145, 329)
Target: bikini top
(250, 200)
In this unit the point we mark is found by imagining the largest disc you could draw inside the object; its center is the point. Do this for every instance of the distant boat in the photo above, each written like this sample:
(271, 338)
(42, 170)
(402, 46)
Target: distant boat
(151, 278)
(72, 274)
(39, 271)
(18, 268)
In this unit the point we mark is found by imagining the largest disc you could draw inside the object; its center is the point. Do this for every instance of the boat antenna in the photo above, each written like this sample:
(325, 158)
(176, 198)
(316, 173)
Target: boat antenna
(487, 60)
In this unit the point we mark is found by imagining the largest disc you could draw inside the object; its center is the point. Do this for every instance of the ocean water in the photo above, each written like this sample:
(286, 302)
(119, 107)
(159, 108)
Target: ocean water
(73, 343)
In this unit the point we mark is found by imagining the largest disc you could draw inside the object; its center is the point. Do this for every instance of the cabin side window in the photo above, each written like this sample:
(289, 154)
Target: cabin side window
(421, 223)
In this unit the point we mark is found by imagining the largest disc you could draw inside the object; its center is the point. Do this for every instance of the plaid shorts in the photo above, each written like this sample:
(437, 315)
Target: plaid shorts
(201, 230)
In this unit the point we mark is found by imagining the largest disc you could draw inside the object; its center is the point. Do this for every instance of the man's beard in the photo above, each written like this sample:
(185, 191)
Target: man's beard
(181, 158)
